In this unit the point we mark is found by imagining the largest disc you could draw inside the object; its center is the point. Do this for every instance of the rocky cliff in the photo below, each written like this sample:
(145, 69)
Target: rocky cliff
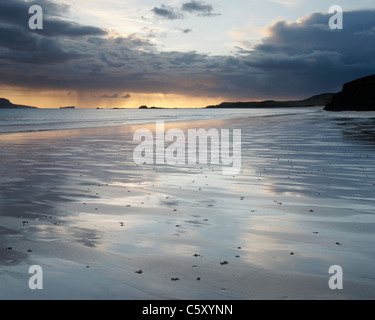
(358, 95)
(6, 104)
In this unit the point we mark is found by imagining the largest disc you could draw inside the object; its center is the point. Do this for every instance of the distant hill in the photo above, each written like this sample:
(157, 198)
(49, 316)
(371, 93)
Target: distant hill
(6, 104)
(357, 95)
(318, 100)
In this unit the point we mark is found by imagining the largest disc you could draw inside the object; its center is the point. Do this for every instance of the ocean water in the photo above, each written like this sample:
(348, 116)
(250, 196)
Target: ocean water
(29, 120)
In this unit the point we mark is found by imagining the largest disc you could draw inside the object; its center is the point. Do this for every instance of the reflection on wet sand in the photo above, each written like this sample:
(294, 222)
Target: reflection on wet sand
(360, 130)
(76, 203)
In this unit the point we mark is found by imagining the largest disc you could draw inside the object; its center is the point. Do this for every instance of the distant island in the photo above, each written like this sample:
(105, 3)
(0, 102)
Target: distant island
(70, 107)
(145, 107)
(317, 100)
(357, 95)
(6, 104)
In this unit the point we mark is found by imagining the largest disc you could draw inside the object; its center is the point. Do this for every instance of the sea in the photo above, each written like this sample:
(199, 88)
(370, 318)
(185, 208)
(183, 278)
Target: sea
(31, 120)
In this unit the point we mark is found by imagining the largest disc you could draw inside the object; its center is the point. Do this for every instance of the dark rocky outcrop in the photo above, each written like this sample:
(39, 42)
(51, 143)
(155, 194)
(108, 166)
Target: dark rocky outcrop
(358, 95)
(6, 104)
(318, 100)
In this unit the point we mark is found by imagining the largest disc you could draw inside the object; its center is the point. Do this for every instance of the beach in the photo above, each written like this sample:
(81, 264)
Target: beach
(104, 227)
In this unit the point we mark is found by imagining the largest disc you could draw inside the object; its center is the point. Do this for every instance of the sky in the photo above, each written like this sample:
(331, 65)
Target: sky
(180, 53)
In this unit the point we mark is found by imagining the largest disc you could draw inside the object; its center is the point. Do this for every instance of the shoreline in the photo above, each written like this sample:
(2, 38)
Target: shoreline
(203, 113)
(94, 217)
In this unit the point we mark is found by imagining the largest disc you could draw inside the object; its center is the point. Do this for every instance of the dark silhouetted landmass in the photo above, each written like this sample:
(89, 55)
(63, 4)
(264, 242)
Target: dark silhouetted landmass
(70, 107)
(145, 107)
(6, 104)
(358, 95)
(318, 100)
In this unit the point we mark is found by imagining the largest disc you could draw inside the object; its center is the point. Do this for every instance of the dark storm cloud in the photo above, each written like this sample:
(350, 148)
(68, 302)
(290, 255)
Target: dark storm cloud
(296, 59)
(312, 57)
(20, 44)
(55, 28)
(16, 13)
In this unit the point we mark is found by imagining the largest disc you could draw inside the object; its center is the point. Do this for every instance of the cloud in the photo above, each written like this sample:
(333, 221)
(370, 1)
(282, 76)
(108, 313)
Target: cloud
(167, 12)
(294, 60)
(20, 44)
(193, 7)
(105, 96)
(308, 57)
(197, 6)
(185, 30)
(16, 13)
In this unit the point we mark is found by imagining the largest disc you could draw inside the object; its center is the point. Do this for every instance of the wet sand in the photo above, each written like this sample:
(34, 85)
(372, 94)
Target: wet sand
(102, 227)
